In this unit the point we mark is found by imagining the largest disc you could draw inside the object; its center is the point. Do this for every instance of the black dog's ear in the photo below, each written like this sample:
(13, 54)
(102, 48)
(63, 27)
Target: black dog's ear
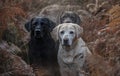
(50, 24)
(28, 26)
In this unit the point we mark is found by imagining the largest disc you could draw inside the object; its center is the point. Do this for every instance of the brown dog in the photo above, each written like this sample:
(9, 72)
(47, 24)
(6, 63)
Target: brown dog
(70, 17)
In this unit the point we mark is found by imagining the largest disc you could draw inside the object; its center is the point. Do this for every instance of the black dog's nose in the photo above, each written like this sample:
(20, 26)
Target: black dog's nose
(37, 32)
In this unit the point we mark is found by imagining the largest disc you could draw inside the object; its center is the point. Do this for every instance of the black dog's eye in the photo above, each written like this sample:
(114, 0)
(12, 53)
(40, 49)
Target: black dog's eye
(42, 23)
(62, 32)
(35, 23)
(71, 32)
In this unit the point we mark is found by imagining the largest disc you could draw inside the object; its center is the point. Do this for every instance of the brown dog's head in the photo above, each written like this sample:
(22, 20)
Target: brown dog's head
(67, 33)
(70, 17)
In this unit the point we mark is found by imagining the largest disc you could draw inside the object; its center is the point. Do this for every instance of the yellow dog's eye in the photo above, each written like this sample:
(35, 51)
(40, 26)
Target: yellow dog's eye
(71, 32)
(62, 32)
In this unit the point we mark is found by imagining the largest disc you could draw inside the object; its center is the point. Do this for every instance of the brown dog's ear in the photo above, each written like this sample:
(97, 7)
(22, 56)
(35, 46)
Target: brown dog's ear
(79, 30)
(55, 32)
(78, 20)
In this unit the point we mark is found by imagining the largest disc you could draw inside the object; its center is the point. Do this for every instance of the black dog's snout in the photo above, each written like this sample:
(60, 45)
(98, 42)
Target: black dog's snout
(38, 32)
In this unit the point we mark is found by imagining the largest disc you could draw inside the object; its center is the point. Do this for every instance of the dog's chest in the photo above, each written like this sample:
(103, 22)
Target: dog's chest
(72, 59)
(45, 43)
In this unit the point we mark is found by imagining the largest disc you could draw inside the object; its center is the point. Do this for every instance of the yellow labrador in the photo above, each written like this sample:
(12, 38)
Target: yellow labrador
(72, 49)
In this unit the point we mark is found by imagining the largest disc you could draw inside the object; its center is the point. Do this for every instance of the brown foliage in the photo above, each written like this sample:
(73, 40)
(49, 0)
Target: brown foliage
(96, 7)
(108, 48)
(92, 26)
(114, 24)
(11, 11)
(105, 60)
(11, 65)
(99, 67)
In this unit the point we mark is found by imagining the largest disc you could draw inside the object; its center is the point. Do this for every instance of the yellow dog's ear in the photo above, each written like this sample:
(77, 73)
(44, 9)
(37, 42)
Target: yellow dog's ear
(55, 32)
(79, 30)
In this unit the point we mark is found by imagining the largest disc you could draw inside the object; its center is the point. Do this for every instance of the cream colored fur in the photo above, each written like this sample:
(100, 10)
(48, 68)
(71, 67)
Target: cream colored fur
(72, 59)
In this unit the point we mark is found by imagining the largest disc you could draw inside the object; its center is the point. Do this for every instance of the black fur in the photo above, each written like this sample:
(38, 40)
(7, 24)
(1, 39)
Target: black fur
(41, 45)
(70, 17)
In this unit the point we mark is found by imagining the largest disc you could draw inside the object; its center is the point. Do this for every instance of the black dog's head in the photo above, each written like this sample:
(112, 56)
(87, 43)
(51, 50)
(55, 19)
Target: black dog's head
(70, 17)
(39, 26)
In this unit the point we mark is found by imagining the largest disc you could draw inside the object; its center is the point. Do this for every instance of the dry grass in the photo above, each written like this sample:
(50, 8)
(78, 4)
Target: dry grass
(114, 18)
(11, 11)
(105, 46)
(96, 7)
(99, 67)
(11, 65)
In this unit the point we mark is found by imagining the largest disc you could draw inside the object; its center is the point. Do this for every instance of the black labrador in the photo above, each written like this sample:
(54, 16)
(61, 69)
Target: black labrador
(41, 45)
(70, 17)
